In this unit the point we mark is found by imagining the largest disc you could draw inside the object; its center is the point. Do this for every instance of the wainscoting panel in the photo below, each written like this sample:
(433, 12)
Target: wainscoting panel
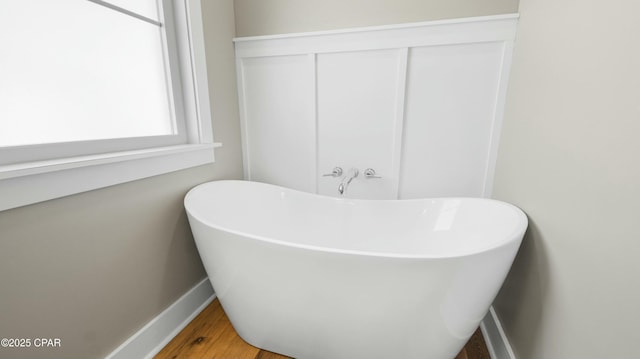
(357, 97)
(278, 114)
(449, 119)
(421, 104)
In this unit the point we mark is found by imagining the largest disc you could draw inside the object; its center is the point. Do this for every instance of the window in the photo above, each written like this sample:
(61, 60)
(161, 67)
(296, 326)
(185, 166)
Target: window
(89, 87)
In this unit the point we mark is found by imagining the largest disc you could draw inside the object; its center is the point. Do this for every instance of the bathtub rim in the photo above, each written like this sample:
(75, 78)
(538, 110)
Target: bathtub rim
(515, 236)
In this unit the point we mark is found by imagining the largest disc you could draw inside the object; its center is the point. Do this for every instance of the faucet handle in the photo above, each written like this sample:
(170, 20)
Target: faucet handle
(370, 173)
(337, 172)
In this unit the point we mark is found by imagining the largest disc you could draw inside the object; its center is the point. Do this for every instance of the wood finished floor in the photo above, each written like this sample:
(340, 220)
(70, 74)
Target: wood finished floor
(211, 336)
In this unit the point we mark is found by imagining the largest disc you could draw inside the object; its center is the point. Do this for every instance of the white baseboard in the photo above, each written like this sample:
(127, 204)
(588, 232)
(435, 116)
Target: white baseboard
(149, 340)
(497, 343)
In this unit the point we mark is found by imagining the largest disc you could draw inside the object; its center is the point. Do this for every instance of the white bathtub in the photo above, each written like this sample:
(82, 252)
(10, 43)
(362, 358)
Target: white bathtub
(310, 276)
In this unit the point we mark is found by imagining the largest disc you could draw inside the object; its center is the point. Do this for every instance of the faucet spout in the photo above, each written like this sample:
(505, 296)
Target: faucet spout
(342, 188)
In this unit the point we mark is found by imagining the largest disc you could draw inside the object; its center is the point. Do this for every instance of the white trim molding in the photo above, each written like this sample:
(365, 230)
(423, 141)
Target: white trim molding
(495, 338)
(430, 33)
(194, 76)
(24, 184)
(149, 340)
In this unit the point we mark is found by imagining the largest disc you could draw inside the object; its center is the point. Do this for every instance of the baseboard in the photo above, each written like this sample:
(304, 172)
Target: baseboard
(497, 343)
(149, 340)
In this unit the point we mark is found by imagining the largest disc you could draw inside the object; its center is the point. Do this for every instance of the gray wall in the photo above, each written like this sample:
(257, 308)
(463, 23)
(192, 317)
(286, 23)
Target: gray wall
(267, 17)
(94, 268)
(570, 158)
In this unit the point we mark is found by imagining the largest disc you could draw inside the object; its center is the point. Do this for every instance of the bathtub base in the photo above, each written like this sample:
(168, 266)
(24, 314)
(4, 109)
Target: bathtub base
(312, 338)
(288, 300)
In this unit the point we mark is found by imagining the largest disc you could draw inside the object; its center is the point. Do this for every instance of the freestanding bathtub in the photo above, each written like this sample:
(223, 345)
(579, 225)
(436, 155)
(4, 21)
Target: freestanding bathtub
(310, 276)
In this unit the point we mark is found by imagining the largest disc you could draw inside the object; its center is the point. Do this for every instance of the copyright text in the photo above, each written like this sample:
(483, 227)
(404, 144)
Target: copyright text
(31, 343)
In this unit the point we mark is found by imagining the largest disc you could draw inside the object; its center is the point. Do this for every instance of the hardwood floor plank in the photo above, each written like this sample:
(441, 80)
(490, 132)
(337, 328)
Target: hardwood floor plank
(269, 355)
(200, 336)
(235, 346)
(476, 348)
(462, 354)
(210, 335)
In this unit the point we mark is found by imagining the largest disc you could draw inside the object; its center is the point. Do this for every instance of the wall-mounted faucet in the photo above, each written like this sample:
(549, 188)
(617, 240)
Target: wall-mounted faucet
(369, 173)
(353, 173)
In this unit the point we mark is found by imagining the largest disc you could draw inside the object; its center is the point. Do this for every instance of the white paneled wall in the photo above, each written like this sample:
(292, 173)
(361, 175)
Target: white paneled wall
(279, 120)
(449, 119)
(419, 103)
(357, 100)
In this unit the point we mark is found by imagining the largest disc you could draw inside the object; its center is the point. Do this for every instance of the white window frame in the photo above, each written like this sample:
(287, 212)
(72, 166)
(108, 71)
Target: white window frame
(25, 183)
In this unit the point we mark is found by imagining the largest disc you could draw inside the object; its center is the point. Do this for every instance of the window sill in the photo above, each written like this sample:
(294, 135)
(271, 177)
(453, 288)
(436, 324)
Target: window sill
(28, 183)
